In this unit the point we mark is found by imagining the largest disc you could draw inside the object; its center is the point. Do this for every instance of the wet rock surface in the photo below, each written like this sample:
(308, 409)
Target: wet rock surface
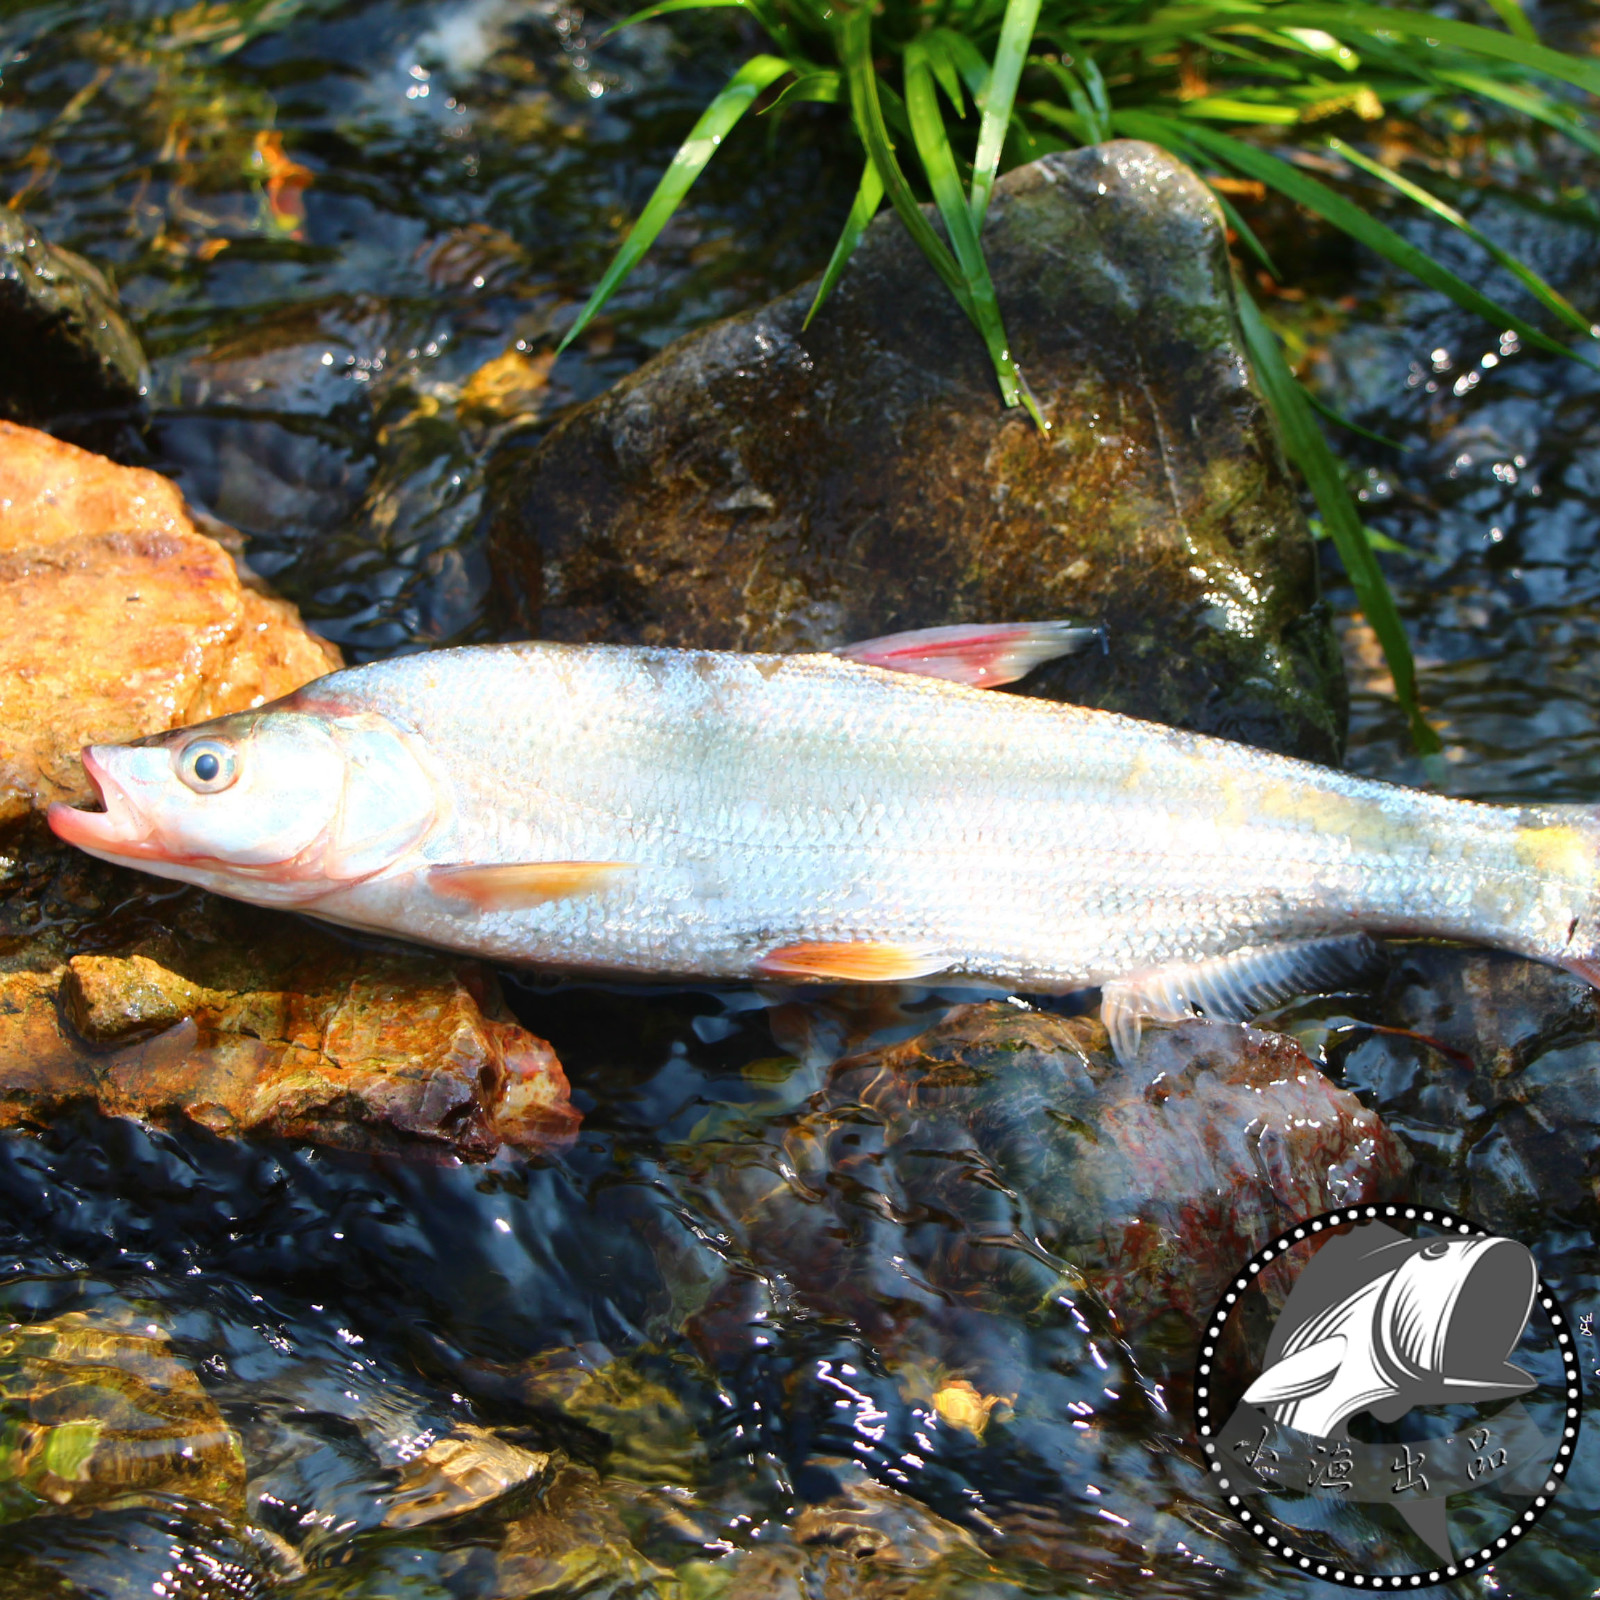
(118, 618)
(1488, 1066)
(66, 351)
(766, 486)
(1154, 1180)
(246, 1022)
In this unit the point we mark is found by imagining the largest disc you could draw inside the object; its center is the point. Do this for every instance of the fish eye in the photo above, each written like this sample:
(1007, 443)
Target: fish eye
(1436, 1251)
(207, 765)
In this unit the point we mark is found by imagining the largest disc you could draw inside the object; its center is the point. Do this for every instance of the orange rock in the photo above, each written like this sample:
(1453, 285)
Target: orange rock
(118, 619)
(354, 1050)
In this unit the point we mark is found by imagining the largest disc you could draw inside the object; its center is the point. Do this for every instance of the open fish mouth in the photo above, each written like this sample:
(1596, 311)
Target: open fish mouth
(118, 828)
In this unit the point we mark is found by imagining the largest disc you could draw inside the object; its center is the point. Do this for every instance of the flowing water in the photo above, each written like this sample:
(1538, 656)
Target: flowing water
(349, 236)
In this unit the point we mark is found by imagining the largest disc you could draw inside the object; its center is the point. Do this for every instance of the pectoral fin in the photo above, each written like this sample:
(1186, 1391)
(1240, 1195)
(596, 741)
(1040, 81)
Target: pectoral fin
(1230, 988)
(1297, 1377)
(851, 962)
(513, 885)
(982, 657)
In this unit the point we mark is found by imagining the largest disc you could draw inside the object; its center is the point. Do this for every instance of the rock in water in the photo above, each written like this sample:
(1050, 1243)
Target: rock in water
(118, 618)
(303, 1039)
(1157, 1180)
(1488, 1066)
(65, 350)
(96, 1416)
(764, 486)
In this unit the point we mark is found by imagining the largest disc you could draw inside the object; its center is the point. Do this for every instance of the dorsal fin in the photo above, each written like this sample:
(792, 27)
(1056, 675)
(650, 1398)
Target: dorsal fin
(980, 655)
(1230, 988)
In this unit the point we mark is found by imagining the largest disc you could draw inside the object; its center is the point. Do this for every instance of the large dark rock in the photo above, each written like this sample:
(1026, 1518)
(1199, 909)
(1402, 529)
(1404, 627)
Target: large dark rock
(66, 353)
(1488, 1066)
(765, 486)
(1156, 1180)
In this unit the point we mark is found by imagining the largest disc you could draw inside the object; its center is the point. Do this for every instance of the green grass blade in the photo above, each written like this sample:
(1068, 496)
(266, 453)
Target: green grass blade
(1340, 420)
(964, 56)
(855, 52)
(1548, 297)
(1016, 35)
(1530, 102)
(715, 121)
(1344, 214)
(869, 196)
(1343, 20)
(1099, 98)
(762, 10)
(939, 162)
(825, 88)
(1515, 18)
(1309, 451)
(1068, 121)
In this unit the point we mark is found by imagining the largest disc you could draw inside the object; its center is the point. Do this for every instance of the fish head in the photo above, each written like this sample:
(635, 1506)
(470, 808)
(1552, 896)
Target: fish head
(278, 806)
(1450, 1314)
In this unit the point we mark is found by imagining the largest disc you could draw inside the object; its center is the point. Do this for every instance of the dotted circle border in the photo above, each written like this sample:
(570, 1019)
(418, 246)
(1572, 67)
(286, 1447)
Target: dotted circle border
(1447, 1221)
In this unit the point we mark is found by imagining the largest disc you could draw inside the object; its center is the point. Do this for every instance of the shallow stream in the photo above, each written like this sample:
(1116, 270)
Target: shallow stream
(349, 235)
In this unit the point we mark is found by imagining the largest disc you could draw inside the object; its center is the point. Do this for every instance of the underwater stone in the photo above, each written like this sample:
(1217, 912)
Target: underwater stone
(119, 619)
(65, 349)
(94, 1415)
(1156, 1180)
(765, 486)
(1488, 1066)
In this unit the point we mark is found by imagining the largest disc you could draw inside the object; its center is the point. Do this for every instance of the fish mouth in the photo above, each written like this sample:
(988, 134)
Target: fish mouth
(119, 828)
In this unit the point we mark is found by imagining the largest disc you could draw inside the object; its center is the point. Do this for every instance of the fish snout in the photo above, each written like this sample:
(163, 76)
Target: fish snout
(120, 827)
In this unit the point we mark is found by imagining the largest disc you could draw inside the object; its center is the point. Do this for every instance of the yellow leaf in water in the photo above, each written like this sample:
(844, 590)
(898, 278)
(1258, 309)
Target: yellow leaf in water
(509, 386)
(286, 181)
(959, 1404)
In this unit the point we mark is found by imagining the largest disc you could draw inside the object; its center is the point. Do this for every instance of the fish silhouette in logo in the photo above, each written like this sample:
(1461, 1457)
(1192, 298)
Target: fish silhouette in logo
(1381, 1322)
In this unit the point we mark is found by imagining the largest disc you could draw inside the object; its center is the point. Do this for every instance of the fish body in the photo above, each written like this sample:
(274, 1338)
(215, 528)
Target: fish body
(661, 812)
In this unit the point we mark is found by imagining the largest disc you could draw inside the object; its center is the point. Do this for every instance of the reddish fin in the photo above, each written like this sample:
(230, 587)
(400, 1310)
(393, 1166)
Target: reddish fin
(1588, 970)
(982, 657)
(523, 883)
(852, 962)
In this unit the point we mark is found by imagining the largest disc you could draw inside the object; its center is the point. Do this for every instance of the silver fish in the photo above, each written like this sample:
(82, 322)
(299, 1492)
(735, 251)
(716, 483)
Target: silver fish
(857, 816)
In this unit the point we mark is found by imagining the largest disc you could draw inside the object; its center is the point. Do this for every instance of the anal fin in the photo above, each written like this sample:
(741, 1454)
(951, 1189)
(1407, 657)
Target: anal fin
(851, 961)
(1230, 988)
(982, 656)
(509, 886)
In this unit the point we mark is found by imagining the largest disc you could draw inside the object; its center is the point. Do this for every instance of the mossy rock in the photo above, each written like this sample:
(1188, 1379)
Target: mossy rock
(762, 485)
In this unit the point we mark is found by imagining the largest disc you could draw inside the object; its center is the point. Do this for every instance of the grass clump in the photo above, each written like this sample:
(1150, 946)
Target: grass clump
(1243, 90)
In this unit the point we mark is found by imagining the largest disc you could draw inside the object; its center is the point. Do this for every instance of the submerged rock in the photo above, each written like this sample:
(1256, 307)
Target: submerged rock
(118, 619)
(310, 1041)
(101, 1416)
(65, 349)
(1488, 1066)
(1155, 1180)
(766, 486)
